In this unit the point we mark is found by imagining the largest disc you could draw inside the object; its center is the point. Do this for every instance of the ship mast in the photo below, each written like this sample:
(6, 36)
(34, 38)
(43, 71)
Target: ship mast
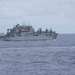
(24, 22)
(28, 23)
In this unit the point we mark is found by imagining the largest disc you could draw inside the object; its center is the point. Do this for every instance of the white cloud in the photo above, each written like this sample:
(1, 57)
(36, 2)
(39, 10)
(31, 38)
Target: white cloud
(20, 8)
(59, 13)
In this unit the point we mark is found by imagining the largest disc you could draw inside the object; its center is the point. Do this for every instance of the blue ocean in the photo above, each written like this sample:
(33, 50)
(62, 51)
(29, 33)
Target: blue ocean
(49, 57)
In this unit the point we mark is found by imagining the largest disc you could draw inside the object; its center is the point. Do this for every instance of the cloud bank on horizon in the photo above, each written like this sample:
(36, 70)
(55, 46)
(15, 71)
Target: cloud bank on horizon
(59, 13)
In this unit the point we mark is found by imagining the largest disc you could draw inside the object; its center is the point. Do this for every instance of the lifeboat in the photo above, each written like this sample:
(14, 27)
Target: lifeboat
(24, 30)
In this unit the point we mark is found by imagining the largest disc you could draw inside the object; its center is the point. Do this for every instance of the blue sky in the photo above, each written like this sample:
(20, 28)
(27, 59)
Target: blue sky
(56, 14)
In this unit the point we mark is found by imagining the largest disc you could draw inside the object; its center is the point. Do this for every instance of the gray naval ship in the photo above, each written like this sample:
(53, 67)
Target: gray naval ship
(27, 33)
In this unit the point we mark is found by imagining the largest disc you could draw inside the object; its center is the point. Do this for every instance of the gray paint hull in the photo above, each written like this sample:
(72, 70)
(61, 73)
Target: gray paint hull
(30, 38)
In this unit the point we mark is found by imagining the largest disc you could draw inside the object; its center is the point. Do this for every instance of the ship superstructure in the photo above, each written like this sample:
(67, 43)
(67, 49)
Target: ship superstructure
(26, 32)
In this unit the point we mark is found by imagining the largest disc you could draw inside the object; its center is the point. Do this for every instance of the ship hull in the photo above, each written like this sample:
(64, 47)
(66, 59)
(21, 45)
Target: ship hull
(30, 38)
